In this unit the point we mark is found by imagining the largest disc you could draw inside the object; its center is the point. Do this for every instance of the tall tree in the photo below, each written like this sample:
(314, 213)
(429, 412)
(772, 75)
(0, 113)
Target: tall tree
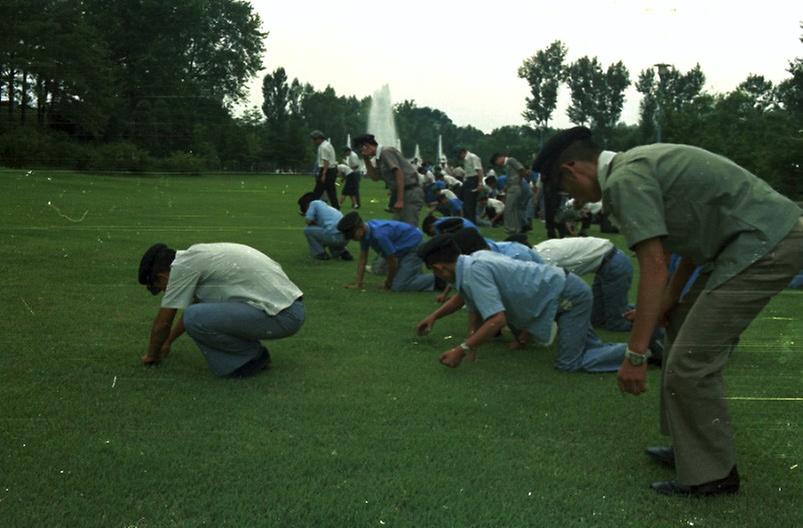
(544, 73)
(666, 92)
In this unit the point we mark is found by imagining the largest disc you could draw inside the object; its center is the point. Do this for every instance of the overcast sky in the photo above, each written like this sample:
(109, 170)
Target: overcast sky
(462, 57)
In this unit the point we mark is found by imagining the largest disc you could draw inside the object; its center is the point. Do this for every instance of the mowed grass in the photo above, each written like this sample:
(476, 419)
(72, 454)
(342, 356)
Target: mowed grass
(357, 424)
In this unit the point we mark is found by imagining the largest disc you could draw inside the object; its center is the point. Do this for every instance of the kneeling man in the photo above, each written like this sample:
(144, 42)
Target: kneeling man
(232, 296)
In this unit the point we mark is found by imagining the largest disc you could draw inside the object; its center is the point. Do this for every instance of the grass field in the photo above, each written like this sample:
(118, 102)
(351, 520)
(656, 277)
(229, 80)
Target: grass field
(357, 424)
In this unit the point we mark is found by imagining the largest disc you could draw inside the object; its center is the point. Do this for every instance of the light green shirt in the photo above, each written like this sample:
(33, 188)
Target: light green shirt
(226, 272)
(512, 168)
(390, 159)
(703, 206)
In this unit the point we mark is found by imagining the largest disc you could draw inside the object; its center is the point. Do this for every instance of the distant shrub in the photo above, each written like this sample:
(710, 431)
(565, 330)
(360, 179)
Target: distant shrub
(121, 156)
(24, 147)
(184, 163)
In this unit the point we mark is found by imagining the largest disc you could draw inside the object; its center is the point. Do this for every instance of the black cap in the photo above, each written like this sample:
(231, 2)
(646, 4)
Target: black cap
(451, 224)
(317, 134)
(364, 139)
(555, 146)
(441, 248)
(469, 240)
(304, 201)
(349, 224)
(495, 155)
(147, 263)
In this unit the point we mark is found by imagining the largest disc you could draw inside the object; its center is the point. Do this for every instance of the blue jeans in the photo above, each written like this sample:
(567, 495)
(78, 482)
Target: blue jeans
(611, 286)
(579, 347)
(409, 277)
(228, 333)
(319, 239)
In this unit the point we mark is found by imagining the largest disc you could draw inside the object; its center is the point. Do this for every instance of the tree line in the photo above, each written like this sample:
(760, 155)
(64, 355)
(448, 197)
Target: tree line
(151, 85)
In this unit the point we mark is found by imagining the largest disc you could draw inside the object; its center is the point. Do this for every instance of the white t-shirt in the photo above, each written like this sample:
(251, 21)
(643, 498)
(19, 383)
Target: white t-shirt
(497, 205)
(326, 152)
(353, 161)
(472, 164)
(344, 170)
(580, 255)
(448, 194)
(225, 272)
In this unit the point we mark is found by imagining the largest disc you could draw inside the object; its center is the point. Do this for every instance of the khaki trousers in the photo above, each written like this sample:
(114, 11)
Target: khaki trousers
(703, 331)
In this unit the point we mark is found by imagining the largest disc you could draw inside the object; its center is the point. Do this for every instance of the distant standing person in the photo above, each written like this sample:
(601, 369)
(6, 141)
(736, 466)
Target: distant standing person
(713, 213)
(399, 175)
(232, 295)
(327, 169)
(473, 183)
(513, 191)
(351, 187)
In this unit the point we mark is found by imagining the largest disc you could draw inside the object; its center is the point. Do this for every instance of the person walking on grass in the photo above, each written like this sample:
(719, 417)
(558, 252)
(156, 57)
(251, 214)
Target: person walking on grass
(232, 296)
(326, 162)
(712, 213)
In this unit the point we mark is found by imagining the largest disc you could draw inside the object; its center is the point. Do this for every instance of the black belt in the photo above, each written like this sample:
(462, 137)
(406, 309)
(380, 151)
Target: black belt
(608, 256)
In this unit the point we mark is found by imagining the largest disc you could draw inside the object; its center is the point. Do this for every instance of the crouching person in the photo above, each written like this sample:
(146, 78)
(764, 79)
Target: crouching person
(526, 296)
(394, 241)
(232, 296)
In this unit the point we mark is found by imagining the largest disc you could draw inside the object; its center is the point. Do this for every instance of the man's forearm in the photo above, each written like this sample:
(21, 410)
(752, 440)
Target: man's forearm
(652, 285)
(454, 303)
(399, 175)
(160, 333)
(361, 262)
(177, 330)
(487, 330)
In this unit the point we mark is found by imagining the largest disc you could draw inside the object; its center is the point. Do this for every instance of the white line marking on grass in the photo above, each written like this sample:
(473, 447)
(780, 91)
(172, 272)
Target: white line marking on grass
(761, 398)
(114, 382)
(28, 306)
(65, 216)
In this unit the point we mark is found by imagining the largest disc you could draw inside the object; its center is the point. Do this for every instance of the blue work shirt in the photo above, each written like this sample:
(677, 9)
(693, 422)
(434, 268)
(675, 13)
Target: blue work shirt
(323, 215)
(501, 181)
(389, 237)
(527, 292)
(455, 205)
(466, 223)
(515, 250)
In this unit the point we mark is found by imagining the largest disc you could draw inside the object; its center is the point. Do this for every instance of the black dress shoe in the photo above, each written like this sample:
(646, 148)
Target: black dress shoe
(661, 454)
(727, 485)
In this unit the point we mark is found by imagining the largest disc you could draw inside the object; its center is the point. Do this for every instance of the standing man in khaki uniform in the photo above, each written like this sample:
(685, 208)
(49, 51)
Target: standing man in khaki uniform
(715, 214)
(407, 196)
(513, 193)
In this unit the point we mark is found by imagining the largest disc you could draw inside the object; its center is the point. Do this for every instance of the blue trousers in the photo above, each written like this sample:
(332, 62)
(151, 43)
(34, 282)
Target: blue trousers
(319, 239)
(579, 347)
(409, 277)
(611, 286)
(228, 333)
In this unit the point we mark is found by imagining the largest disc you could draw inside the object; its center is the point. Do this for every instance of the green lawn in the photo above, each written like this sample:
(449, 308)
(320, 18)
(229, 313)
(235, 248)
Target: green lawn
(357, 424)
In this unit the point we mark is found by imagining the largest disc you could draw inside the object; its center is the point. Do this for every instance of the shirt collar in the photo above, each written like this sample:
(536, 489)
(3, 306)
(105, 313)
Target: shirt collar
(604, 166)
(462, 262)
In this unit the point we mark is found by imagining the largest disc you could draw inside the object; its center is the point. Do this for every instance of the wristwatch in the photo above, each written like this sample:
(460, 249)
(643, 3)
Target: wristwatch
(637, 359)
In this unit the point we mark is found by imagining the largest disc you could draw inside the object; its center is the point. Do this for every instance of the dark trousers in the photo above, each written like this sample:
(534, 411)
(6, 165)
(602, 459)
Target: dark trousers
(327, 185)
(470, 199)
(552, 201)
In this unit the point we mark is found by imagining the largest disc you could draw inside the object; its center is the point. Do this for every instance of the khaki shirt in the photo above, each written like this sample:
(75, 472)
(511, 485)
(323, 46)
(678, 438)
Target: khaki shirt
(390, 159)
(512, 168)
(703, 206)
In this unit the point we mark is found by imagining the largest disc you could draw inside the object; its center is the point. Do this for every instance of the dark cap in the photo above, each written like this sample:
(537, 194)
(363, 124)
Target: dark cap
(304, 201)
(317, 134)
(495, 155)
(555, 146)
(349, 224)
(441, 248)
(364, 139)
(469, 240)
(156, 252)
